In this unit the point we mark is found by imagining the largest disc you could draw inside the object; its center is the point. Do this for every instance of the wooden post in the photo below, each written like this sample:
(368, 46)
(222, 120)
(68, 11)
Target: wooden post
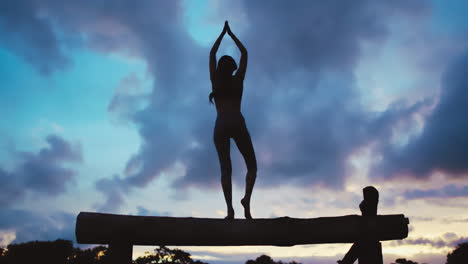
(367, 249)
(371, 248)
(371, 253)
(120, 253)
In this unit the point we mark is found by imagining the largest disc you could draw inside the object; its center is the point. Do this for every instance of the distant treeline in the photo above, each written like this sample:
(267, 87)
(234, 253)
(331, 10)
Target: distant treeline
(62, 252)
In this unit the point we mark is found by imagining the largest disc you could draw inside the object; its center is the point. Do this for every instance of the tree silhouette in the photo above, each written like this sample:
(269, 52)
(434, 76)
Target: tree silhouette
(264, 259)
(404, 261)
(50, 252)
(459, 255)
(62, 252)
(166, 255)
(96, 255)
(2, 256)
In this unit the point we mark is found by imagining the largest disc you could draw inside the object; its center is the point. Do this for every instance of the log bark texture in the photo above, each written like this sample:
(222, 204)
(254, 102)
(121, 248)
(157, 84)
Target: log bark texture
(98, 228)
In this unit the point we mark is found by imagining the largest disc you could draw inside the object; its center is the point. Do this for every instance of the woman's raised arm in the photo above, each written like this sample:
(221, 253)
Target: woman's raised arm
(213, 51)
(243, 60)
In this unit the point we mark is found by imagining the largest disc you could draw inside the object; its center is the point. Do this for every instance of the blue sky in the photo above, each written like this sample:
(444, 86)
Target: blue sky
(109, 106)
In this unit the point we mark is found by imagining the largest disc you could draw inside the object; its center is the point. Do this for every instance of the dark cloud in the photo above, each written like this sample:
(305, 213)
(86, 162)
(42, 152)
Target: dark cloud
(449, 220)
(114, 190)
(450, 240)
(458, 241)
(29, 34)
(443, 144)
(421, 218)
(41, 31)
(313, 35)
(151, 30)
(28, 225)
(438, 243)
(129, 97)
(448, 191)
(43, 173)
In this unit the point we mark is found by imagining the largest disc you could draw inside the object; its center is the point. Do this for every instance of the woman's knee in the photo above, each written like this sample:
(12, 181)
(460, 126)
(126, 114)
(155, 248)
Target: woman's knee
(252, 167)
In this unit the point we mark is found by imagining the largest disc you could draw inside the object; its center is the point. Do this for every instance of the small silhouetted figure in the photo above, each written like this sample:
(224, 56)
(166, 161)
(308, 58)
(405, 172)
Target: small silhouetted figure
(227, 91)
(367, 251)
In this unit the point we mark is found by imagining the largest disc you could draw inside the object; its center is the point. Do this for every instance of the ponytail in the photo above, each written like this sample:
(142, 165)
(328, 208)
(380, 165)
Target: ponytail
(211, 97)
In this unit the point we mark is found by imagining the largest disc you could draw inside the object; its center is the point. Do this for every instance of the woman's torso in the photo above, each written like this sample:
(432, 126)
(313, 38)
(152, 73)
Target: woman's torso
(228, 95)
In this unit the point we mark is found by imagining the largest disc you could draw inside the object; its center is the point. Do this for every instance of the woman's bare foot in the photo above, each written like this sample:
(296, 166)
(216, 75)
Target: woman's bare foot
(230, 214)
(246, 208)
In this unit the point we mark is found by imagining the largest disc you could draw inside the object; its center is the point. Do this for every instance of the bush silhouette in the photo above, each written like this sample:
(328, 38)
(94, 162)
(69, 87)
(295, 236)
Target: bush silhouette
(459, 255)
(166, 255)
(264, 259)
(96, 255)
(50, 252)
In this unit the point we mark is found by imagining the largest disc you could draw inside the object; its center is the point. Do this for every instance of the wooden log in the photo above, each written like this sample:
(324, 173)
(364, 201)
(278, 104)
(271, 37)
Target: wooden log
(98, 228)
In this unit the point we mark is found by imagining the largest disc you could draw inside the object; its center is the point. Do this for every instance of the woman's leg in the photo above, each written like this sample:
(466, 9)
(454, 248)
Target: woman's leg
(244, 143)
(222, 144)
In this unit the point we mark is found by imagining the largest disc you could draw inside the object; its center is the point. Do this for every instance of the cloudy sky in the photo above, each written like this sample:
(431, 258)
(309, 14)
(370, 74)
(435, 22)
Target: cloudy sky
(104, 107)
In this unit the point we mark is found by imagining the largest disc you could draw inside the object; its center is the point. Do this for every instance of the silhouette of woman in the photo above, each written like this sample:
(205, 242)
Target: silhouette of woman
(227, 92)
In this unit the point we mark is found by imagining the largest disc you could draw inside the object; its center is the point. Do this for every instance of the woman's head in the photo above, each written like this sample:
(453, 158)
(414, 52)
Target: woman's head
(226, 65)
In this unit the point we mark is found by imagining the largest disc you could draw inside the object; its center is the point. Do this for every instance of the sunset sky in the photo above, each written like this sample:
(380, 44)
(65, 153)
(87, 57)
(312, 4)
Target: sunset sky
(104, 107)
